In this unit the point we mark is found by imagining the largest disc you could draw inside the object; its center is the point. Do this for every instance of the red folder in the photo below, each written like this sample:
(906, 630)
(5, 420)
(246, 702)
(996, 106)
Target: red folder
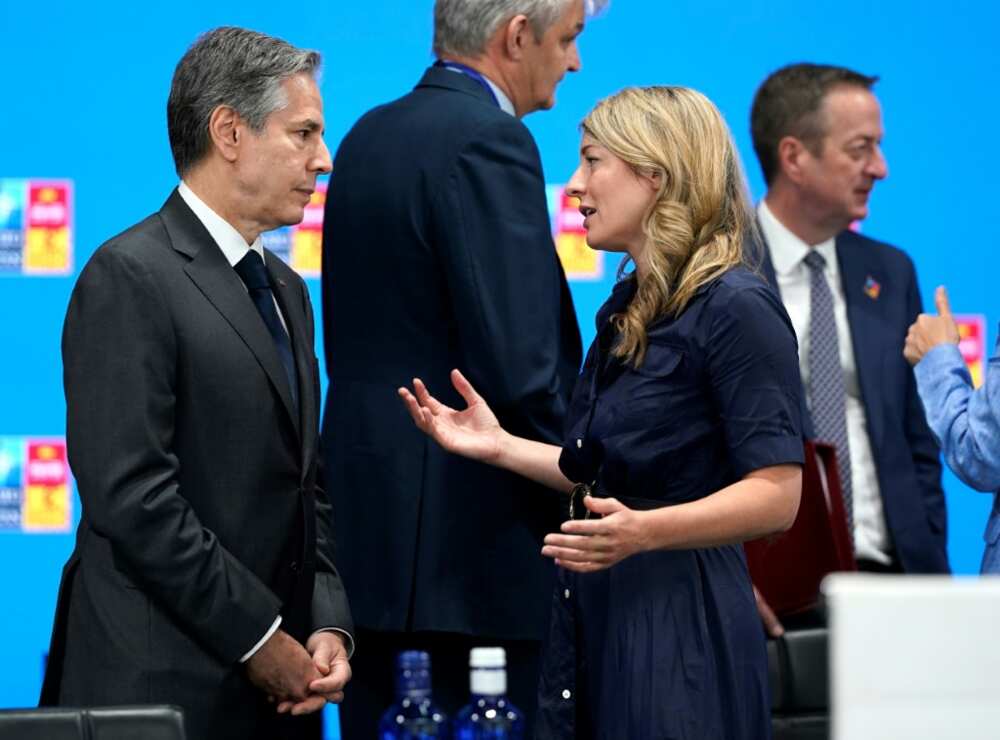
(787, 568)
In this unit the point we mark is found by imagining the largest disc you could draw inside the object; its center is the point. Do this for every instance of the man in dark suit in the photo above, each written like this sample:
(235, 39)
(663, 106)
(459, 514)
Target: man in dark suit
(437, 254)
(817, 131)
(202, 574)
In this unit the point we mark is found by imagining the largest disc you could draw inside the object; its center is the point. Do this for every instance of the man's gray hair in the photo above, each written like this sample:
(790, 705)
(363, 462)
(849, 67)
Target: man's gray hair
(463, 27)
(229, 66)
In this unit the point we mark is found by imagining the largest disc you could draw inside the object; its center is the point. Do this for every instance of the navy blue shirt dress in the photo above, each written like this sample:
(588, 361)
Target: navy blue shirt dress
(667, 645)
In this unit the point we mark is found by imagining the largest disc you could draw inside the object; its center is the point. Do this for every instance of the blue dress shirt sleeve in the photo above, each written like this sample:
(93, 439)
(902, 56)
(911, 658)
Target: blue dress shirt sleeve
(966, 421)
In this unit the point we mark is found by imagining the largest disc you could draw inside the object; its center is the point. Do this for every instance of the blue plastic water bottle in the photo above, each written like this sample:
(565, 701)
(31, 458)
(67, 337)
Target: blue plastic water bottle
(489, 716)
(413, 716)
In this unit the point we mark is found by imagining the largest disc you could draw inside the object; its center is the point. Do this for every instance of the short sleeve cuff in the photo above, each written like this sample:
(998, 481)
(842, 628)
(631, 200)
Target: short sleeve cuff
(764, 452)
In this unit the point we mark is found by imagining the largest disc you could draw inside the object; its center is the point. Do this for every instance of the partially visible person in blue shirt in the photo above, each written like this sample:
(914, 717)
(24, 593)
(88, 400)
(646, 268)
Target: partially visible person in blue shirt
(966, 421)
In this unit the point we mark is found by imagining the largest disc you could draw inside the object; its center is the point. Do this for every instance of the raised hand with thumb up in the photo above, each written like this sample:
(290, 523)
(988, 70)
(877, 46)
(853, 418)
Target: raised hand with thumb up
(929, 331)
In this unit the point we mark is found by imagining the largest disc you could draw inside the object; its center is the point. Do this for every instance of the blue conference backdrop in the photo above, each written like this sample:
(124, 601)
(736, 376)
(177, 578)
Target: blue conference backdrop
(84, 154)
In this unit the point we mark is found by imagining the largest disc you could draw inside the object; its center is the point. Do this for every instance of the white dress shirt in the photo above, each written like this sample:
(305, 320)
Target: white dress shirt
(230, 241)
(871, 536)
(235, 248)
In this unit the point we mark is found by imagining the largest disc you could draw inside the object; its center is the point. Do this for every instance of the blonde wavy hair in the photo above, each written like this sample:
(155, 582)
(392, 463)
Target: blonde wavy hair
(696, 227)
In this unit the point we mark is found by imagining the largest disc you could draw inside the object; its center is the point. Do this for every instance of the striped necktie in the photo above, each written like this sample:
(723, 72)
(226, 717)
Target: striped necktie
(827, 398)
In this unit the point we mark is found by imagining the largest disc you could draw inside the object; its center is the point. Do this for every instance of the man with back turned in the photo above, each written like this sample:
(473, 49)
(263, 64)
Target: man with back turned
(202, 574)
(437, 254)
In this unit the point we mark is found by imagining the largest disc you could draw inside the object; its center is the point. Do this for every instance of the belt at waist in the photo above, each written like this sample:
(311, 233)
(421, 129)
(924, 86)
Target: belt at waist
(580, 491)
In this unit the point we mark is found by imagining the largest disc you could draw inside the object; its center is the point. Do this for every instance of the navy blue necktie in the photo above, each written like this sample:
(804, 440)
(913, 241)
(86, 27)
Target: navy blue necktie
(253, 274)
(827, 397)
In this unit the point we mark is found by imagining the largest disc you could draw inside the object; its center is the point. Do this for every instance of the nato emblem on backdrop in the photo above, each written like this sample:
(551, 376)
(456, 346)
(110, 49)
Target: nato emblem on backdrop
(36, 227)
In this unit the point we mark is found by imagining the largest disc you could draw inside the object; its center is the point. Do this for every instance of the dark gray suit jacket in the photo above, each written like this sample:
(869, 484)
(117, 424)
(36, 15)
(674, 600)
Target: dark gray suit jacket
(202, 519)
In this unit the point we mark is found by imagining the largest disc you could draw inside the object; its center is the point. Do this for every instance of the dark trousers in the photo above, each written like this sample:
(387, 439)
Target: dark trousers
(372, 687)
(873, 566)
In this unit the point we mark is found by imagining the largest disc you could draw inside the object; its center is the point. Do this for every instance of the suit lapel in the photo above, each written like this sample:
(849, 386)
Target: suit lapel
(761, 257)
(864, 316)
(287, 292)
(220, 284)
(767, 267)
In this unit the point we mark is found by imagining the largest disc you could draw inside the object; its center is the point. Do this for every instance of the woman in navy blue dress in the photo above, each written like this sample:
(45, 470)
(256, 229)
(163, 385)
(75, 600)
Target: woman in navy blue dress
(683, 440)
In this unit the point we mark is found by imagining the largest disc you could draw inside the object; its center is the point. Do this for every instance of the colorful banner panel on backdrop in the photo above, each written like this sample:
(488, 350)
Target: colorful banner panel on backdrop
(36, 227)
(972, 344)
(301, 246)
(35, 491)
(579, 261)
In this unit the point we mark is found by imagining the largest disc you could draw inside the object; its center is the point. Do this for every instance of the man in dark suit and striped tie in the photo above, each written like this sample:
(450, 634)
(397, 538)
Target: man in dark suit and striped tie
(817, 131)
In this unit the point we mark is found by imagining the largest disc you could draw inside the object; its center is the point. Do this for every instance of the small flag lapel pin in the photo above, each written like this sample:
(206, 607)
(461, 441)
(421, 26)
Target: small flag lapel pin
(872, 288)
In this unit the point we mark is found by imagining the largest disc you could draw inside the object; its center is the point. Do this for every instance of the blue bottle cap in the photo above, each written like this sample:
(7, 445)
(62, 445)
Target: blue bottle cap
(413, 673)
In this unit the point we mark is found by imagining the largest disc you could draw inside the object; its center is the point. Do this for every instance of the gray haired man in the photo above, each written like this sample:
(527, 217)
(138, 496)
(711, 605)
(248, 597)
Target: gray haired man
(437, 254)
(202, 574)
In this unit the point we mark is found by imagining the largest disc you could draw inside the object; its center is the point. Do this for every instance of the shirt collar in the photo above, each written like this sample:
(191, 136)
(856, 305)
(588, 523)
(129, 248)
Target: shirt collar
(788, 250)
(505, 105)
(230, 241)
(502, 100)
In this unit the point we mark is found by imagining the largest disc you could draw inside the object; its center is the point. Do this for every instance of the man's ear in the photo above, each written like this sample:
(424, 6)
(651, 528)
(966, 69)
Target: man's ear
(226, 129)
(516, 36)
(792, 156)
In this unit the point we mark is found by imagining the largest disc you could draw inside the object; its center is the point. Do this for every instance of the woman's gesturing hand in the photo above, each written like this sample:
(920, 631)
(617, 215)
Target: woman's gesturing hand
(595, 544)
(473, 432)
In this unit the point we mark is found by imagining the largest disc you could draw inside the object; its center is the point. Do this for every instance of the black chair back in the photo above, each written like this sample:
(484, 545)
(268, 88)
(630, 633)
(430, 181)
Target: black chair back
(96, 723)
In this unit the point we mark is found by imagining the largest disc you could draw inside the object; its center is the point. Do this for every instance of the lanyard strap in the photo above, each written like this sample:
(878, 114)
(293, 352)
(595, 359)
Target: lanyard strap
(469, 72)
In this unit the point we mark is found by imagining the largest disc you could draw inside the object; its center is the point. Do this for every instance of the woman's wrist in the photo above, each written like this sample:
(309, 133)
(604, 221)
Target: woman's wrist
(657, 524)
(501, 456)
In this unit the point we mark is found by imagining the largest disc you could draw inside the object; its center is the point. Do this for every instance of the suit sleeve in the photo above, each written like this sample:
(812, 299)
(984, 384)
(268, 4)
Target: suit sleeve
(923, 446)
(119, 363)
(504, 277)
(330, 608)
